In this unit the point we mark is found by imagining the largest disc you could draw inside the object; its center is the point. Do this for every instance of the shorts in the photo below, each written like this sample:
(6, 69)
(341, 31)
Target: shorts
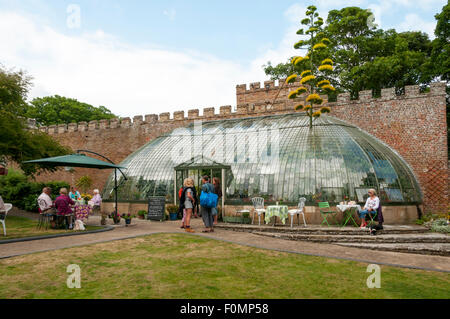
(188, 204)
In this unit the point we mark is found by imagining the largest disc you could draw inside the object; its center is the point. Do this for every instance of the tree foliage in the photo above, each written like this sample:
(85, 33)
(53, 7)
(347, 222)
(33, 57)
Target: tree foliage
(17, 143)
(62, 110)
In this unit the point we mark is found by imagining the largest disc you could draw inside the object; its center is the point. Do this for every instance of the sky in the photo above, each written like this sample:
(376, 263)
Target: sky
(149, 57)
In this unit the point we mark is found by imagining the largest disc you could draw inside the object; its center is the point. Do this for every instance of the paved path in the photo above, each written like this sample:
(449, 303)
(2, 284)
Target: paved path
(141, 228)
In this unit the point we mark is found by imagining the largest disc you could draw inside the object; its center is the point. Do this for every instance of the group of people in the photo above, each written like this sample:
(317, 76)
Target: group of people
(189, 203)
(62, 207)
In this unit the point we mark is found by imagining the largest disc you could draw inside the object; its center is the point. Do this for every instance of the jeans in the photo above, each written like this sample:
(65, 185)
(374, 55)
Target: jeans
(208, 218)
(363, 213)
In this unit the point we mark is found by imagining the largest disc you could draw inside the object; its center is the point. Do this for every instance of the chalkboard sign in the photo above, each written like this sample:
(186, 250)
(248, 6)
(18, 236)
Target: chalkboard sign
(156, 208)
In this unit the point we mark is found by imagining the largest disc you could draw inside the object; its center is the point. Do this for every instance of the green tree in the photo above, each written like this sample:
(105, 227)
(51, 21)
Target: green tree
(17, 142)
(313, 68)
(62, 110)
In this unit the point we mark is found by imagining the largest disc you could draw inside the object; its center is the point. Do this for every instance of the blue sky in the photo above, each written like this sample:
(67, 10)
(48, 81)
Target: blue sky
(142, 57)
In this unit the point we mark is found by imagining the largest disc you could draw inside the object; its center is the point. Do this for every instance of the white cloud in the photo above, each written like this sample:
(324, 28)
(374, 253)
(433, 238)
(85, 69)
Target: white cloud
(99, 69)
(413, 22)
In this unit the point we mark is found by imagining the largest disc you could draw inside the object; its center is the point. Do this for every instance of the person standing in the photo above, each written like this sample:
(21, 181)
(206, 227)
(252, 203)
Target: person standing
(207, 216)
(187, 204)
(218, 192)
(97, 202)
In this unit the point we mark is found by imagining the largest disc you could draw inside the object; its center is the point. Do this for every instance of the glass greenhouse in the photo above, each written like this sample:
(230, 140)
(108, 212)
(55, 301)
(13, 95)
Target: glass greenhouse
(277, 157)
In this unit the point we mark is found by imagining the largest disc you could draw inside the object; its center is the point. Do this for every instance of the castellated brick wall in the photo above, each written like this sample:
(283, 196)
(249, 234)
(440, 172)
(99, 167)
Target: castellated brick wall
(413, 124)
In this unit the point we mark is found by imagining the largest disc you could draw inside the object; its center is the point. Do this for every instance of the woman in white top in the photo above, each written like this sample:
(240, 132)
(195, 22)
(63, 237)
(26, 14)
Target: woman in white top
(372, 204)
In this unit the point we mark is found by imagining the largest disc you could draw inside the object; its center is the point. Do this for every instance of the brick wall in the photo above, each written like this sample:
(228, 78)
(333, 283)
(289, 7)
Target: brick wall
(413, 124)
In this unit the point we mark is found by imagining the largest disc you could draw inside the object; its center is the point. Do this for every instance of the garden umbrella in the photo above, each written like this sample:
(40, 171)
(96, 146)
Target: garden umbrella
(81, 160)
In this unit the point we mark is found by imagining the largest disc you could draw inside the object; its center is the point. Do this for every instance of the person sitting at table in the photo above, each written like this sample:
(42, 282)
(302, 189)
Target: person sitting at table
(371, 206)
(97, 202)
(74, 194)
(44, 200)
(62, 205)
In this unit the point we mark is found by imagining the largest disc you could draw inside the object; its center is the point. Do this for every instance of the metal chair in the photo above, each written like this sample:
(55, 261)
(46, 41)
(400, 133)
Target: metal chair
(298, 211)
(324, 208)
(3, 216)
(258, 207)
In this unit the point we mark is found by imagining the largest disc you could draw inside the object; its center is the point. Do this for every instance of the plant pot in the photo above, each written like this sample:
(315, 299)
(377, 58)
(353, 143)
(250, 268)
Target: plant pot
(116, 221)
(141, 216)
(173, 216)
(127, 222)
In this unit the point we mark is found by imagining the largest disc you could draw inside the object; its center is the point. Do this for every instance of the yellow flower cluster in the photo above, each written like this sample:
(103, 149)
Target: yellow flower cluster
(305, 73)
(327, 61)
(326, 41)
(328, 87)
(325, 109)
(312, 29)
(319, 46)
(316, 114)
(323, 82)
(301, 90)
(292, 95)
(307, 79)
(291, 78)
(307, 107)
(315, 98)
(298, 107)
(325, 67)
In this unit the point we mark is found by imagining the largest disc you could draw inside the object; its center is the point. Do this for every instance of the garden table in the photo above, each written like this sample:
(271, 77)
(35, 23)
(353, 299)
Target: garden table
(280, 211)
(347, 210)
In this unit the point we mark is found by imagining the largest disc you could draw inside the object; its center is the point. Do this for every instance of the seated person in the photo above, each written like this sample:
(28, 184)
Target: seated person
(74, 194)
(45, 201)
(62, 205)
(371, 206)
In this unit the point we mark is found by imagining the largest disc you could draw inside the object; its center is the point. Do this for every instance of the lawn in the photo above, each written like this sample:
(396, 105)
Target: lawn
(20, 227)
(186, 266)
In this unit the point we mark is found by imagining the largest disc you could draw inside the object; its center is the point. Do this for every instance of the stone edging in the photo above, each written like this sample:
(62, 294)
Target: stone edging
(15, 240)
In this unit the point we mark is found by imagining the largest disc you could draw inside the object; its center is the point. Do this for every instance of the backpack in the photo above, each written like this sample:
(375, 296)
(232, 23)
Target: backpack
(208, 199)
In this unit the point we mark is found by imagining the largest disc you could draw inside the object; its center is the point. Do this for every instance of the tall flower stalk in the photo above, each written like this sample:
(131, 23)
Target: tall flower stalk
(312, 69)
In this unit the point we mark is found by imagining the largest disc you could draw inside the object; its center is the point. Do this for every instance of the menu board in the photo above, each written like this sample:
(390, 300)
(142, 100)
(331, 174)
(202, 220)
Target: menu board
(156, 208)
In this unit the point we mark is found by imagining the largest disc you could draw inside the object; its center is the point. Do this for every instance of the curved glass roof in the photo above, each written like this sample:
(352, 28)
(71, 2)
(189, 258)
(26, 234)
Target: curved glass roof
(277, 157)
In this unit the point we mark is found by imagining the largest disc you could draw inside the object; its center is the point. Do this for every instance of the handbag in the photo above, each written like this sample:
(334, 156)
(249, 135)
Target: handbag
(208, 200)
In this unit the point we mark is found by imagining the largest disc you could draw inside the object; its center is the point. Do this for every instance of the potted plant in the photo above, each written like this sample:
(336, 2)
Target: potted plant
(173, 211)
(128, 217)
(115, 217)
(141, 214)
(246, 218)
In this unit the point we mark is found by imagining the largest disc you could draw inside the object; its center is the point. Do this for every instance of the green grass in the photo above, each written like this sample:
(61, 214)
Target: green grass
(20, 227)
(186, 266)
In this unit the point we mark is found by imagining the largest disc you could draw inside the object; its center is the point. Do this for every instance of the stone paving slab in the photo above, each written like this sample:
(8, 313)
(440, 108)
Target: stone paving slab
(394, 238)
(143, 227)
(442, 249)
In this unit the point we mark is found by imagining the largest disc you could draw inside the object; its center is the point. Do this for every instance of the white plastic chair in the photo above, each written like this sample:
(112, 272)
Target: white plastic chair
(298, 211)
(258, 207)
(7, 209)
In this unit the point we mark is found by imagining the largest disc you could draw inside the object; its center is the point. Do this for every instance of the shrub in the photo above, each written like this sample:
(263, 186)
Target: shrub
(19, 191)
(440, 226)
